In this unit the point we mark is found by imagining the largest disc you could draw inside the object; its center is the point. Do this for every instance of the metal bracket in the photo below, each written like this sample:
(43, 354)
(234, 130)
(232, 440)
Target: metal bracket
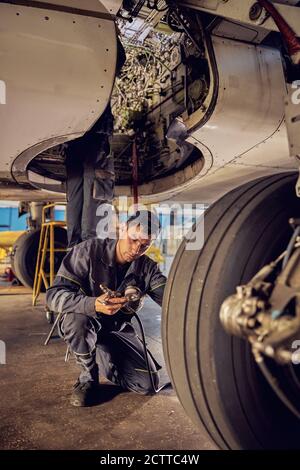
(258, 14)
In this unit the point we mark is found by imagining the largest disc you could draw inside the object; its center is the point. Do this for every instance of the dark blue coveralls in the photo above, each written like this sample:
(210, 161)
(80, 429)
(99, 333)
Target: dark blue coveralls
(90, 178)
(99, 341)
(90, 173)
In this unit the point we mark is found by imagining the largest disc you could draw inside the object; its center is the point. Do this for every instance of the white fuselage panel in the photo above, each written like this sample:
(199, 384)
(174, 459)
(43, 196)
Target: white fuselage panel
(58, 68)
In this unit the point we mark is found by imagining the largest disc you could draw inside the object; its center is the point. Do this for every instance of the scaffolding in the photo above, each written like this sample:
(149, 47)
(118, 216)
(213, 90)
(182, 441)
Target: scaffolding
(47, 246)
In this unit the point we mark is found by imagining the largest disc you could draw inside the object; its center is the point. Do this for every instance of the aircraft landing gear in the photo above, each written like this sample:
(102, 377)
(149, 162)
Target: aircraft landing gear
(214, 374)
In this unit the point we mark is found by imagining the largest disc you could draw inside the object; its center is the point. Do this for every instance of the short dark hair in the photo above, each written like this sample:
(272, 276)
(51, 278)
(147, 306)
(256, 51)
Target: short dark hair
(148, 221)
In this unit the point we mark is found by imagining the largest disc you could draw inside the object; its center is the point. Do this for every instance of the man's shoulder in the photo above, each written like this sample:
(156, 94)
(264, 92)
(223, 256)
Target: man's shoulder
(89, 246)
(149, 262)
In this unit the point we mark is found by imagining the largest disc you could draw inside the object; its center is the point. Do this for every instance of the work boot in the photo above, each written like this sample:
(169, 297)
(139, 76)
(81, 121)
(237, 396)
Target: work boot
(86, 388)
(85, 394)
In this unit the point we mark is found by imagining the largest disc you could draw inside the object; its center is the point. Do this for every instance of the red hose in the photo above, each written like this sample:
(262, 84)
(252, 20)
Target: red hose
(135, 175)
(289, 36)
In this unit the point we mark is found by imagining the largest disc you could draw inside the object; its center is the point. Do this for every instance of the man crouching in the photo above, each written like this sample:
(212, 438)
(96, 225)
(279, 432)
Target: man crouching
(93, 322)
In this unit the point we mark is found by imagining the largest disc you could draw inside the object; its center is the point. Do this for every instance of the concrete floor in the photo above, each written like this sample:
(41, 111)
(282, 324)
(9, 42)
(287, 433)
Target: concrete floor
(35, 385)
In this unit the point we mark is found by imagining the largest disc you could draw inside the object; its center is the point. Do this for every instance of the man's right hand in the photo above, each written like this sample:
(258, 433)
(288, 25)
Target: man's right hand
(109, 305)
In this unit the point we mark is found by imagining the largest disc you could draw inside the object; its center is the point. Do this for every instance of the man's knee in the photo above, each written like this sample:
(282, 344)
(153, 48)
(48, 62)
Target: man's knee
(79, 332)
(75, 323)
(142, 384)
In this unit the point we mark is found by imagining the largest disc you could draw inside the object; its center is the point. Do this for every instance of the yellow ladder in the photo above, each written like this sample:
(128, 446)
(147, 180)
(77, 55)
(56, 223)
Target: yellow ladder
(46, 245)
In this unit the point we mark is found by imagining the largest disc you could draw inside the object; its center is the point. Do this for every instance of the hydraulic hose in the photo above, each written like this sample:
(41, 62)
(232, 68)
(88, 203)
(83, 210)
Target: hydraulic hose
(168, 384)
(289, 36)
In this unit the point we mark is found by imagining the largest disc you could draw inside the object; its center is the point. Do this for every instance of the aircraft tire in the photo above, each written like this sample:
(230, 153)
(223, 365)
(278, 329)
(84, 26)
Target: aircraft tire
(25, 252)
(214, 374)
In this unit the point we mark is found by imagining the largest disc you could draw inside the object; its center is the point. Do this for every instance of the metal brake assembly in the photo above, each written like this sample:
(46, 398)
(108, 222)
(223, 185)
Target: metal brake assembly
(266, 311)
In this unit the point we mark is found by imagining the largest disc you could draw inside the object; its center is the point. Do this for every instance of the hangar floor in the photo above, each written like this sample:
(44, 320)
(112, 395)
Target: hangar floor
(35, 385)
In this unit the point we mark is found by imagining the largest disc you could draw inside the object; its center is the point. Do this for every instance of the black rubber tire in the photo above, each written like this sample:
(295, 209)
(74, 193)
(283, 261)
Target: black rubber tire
(25, 252)
(214, 374)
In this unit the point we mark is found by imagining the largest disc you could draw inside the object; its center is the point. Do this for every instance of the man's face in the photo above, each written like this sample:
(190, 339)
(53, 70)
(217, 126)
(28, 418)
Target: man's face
(133, 243)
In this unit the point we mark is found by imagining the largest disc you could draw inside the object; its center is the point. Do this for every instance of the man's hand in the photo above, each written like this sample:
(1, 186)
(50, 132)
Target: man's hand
(109, 305)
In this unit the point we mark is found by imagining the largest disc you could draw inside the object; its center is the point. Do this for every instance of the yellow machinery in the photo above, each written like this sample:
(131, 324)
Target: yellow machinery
(46, 245)
(154, 253)
(7, 240)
